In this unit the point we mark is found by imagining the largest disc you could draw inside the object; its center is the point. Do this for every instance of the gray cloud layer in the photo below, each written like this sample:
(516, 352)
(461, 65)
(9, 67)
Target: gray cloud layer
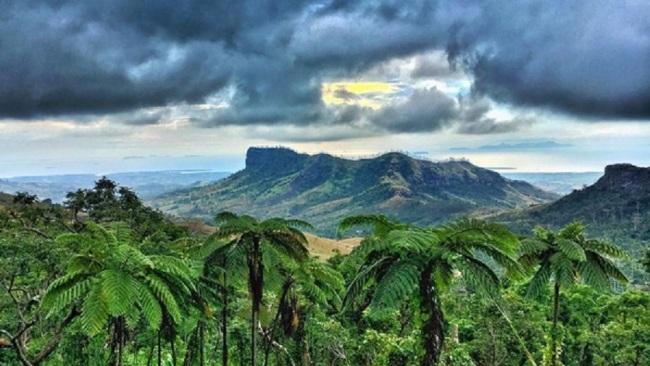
(590, 59)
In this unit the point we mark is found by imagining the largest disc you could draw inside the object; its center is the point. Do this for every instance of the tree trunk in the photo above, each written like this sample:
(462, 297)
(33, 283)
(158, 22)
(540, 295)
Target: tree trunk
(224, 319)
(286, 286)
(172, 345)
(159, 350)
(202, 343)
(150, 357)
(433, 333)
(255, 284)
(554, 330)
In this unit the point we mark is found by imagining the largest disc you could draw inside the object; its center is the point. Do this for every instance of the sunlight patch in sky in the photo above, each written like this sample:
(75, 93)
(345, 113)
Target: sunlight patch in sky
(361, 93)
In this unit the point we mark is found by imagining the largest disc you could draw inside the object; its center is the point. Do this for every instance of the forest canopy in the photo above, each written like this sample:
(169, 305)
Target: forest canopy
(104, 279)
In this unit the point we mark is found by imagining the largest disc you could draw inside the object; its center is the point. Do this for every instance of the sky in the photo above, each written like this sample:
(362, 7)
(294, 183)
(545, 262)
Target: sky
(120, 85)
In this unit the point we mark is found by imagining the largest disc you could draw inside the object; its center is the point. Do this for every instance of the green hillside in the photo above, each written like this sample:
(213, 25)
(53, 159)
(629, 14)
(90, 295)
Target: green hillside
(323, 189)
(616, 207)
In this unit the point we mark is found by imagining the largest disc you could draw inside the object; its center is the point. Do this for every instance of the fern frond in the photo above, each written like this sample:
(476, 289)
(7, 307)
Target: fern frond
(128, 254)
(532, 246)
(94, 312)
(149, 306)
(540, 280)
(380, 224)
(604, 248)
(58, 298)
(164, 295)
(363, 275)
(396, 285)
(571, 249)
(479, 275)
(176, 267)
(563, 269)
(118, 291)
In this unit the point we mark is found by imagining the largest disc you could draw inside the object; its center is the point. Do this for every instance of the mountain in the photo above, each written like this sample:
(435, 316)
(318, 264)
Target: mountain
(616, 207)
(620, 196)
(146, 184)
(323, 189)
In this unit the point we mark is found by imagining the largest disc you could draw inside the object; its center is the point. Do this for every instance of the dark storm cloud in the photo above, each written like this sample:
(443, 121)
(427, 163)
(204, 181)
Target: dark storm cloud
(428, 110)
(94, 57)
(588, 58)
(425, 110)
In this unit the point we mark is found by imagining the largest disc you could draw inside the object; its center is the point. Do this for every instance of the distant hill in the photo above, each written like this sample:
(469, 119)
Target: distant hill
(146, 184)
(560, 183)
(323, 189)
(616, 207)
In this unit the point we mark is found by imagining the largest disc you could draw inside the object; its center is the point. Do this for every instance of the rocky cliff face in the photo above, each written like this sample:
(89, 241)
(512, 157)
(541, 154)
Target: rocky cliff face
(323, 189)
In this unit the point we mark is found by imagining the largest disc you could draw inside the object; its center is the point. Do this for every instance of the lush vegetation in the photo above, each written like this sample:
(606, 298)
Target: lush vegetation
(104, 279)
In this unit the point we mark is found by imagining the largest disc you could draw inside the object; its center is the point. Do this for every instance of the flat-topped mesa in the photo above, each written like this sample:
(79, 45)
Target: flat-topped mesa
(274, 161)
(323, 189)
(627, 176)
(618, 170)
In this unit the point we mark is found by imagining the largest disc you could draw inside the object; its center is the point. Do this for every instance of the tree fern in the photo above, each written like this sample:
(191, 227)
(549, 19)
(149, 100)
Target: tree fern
(401, 258)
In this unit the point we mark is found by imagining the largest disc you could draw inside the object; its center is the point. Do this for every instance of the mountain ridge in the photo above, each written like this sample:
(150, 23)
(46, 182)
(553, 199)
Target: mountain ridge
(616, 208)
(322, 189)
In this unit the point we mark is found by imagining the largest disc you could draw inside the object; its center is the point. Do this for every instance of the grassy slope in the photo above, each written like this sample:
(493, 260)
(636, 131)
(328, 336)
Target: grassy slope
(323, 189)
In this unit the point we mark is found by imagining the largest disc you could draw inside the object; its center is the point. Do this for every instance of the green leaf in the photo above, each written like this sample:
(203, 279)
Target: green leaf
(396, 285)
(571, 249)
(94, 312)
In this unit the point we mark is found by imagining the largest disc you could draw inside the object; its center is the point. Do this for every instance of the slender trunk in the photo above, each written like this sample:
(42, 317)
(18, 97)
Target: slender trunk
(122, 340)
(172, 345)
(159, 350)
(283, 298)
(202, 344)
(433, 334)
(253, 337)
(554, 330)
(117, 342)
(150, 357)
(255, 283)
(224, 319)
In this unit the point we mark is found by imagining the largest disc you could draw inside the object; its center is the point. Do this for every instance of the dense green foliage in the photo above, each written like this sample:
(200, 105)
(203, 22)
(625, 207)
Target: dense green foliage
(105, 280)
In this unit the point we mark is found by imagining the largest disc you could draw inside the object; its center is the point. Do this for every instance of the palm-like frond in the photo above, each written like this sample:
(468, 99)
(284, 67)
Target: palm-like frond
(380, 224)
(150, 306)
(118, 291)
(603, 248)
(539, 282)
(289, 244)
(414, 242)
(567, 257)
(362, 277)
(94, 312)
(110, 277)
(532, 246)
(479, 275)
(396, 285)
(571, 249)
(164, 295)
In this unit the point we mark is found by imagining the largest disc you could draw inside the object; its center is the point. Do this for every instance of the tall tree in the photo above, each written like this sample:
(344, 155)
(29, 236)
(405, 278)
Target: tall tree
(250, 238)
(564, 258)
(404, 262)
(113, 283)
(312, 281)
